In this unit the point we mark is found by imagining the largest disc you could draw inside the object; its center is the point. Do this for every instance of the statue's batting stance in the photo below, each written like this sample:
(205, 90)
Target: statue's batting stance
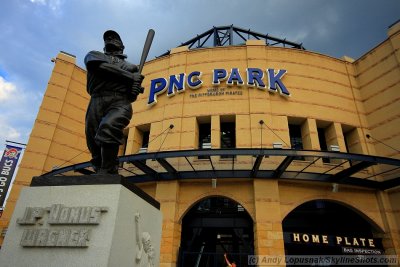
(113, 85)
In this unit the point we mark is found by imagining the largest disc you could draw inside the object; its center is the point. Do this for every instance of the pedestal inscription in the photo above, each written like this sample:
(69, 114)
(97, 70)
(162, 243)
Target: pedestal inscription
(58, 214)
(83, 225)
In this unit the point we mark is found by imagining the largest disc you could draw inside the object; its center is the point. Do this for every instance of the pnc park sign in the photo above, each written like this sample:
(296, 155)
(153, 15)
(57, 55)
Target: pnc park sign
(270, 79)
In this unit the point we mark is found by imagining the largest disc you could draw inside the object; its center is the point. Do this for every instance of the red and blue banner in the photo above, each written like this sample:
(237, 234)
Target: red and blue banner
(8, 164)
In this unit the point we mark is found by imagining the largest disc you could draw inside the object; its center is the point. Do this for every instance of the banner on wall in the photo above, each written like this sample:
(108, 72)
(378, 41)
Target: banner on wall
(8, 164)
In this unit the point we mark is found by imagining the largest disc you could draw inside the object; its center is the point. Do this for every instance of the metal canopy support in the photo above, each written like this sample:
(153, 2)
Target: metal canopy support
(212, 165)
(84, 171)
(168, 167)
(191, 165)
(331, 169)
(311, 163)
(283, 166)
(350, 171)
(390, 183)
(256, 166)
(144, 168)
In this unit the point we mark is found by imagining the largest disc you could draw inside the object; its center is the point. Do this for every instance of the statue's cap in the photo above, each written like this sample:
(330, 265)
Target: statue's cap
(111, 33)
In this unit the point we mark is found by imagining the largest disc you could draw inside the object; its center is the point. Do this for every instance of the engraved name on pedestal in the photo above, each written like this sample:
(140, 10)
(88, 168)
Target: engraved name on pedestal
(62, 221)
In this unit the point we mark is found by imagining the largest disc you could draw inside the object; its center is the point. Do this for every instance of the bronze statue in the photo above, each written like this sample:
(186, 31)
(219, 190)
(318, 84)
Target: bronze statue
(113, 84)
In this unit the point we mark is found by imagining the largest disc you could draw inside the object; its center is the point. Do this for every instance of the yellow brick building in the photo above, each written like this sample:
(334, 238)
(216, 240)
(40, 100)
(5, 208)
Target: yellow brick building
(247, 173)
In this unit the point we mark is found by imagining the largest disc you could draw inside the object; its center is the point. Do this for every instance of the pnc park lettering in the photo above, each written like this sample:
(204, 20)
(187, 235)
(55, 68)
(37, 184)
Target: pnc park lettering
(270, 79)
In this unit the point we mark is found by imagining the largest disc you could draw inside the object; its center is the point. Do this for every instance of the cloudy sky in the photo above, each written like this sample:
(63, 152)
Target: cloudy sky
(34, 31)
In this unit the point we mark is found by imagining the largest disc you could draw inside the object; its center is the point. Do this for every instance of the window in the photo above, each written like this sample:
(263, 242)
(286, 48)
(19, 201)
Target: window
(296, 139)
(145, 142)
(204, 137)
(322, 143)
(352, 140)
(143, 137)
(228, 138)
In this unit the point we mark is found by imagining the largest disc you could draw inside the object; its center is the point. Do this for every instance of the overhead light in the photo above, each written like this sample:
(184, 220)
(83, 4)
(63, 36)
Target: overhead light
(277, 145)
(206, 146)
(335, 188)
(334, 148)
(142, 150)
(214, 183)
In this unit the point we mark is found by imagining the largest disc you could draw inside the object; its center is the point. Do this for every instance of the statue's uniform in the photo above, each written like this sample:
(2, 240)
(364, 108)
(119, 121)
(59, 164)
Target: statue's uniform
(110, 109)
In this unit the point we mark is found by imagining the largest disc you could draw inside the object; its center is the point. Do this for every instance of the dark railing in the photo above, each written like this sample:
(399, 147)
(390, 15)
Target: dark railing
(231, 35)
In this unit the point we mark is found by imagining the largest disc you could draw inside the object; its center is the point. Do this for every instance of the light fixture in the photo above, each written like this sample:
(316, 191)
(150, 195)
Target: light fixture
(214, 182)
(277, 145)
(142, 150)
(334, 148)
(335, 188)
(206, 146)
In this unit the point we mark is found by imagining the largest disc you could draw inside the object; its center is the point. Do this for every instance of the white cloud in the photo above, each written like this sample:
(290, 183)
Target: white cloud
(300, 35)
(11, 133)
(18, 108)
(8, 133)
(54, 5)
(41, 2)
(6, 89)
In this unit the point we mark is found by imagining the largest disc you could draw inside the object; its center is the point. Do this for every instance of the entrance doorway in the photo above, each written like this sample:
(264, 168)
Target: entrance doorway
(212, 227)
(323, 227)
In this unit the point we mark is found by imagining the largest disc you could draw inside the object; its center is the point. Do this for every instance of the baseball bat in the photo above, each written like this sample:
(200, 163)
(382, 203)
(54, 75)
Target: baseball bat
(146, 49)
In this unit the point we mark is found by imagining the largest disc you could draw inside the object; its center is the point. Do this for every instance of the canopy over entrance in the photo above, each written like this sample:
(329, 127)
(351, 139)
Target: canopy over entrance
(374, 172)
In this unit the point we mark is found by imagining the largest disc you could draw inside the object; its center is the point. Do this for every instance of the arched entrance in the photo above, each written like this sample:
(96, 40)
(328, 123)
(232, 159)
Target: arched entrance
(212, 227)
(323, 227)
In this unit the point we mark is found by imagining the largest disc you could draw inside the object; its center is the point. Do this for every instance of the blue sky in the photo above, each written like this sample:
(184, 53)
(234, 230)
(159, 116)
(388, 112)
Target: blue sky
(34, 31)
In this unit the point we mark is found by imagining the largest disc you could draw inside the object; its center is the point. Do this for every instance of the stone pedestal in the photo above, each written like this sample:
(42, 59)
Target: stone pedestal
(88, 223)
